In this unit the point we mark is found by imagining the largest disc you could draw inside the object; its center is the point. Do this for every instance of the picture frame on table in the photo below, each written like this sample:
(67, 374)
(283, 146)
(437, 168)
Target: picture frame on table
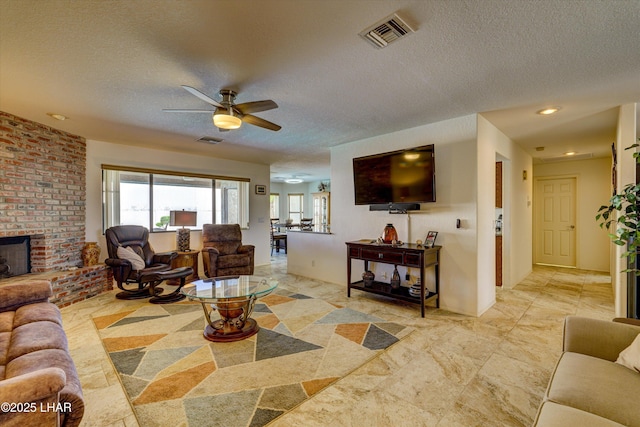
(430, 240)
(261, 189)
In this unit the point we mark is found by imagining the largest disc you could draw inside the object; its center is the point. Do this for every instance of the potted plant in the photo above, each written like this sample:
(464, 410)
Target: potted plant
(624, 210)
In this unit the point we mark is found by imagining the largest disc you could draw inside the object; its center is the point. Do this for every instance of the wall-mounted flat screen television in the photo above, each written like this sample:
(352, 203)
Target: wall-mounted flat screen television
(404, 176)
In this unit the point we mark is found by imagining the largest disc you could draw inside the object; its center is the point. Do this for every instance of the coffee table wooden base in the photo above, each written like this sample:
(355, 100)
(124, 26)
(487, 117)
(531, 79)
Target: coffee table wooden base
(221, 332)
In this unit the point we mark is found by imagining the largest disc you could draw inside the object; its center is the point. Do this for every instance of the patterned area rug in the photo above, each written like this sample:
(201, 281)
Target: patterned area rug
(174, 376)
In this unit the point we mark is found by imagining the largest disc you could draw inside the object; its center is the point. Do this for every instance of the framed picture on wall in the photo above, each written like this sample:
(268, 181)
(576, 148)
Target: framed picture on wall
(431, 239)
(261, 189)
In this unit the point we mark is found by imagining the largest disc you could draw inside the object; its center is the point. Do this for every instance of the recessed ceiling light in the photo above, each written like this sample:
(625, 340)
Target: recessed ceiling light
(547, 111)
(293, 180)
(57, 116)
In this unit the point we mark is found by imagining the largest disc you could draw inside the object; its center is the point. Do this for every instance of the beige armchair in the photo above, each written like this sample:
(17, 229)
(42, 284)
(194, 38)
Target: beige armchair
(223, 253)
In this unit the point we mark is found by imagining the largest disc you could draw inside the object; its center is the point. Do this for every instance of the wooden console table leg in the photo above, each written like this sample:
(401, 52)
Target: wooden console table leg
(437, 267)
(349, 277)
(423, 291)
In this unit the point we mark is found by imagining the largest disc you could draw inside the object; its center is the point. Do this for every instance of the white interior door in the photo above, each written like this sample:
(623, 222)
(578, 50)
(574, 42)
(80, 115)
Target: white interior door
(555, 234)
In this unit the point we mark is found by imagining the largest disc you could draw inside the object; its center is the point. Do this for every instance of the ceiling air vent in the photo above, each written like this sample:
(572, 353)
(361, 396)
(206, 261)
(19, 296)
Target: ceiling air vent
(386, 31)
(210, 140)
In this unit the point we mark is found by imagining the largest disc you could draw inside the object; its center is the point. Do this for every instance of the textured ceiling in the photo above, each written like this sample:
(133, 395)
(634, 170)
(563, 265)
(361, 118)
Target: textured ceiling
(112, 66)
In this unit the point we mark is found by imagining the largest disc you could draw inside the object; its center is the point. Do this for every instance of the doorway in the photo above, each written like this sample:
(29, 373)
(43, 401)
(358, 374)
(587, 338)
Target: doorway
(555, 219)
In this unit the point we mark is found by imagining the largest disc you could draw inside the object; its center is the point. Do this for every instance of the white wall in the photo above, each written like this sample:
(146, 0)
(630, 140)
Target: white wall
(593, 189)
(517, 213)
(517, 198)
(456, 174)
(99, 152)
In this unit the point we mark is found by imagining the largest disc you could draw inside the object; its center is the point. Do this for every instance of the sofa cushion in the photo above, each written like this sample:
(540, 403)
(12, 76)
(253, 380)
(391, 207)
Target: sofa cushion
(14, 295)
(38, 312)
(554, 415)
(231, 261)
(5, 342)
(598, 386)
(59, 358)
(36, 336)
(6, 321)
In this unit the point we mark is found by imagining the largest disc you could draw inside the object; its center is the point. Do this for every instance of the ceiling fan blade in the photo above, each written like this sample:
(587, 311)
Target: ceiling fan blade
(257, 121)
(256, 106)
(201, 95)
(179, 110)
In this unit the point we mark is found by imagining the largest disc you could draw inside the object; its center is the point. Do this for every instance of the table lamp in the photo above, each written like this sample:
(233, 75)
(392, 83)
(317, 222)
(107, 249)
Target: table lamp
(183, 218)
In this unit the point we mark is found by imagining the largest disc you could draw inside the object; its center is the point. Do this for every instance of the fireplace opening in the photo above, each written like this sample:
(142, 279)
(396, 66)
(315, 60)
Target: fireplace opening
(15, 256)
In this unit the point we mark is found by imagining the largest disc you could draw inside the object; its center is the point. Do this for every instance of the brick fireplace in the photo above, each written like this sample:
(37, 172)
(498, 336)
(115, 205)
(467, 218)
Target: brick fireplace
(42, 194)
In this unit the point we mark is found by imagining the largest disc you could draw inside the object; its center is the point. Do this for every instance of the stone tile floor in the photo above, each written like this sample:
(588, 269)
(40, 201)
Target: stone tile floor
(452, 371)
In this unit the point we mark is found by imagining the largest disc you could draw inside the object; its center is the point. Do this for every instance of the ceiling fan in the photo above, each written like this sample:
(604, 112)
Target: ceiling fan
(229, 115)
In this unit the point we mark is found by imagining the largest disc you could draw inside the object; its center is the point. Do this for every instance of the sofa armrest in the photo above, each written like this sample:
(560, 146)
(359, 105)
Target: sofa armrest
(14, 295)
(598, 338)
(121, 268)
(246, 249)
(33, 386)
(210, 261)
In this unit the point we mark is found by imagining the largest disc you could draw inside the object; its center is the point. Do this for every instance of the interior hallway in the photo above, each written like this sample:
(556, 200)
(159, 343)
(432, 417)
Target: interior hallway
(453, 370)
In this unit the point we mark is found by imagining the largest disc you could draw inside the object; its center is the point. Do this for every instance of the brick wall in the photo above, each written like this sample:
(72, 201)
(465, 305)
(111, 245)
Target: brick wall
(43, 191)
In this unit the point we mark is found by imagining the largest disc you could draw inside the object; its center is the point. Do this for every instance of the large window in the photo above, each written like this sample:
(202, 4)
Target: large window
(145, 197)
(296, 207)
(274, 205)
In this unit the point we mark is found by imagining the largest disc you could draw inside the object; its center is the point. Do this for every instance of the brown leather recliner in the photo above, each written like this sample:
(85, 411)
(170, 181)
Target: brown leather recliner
(141, 283)
(223, 253)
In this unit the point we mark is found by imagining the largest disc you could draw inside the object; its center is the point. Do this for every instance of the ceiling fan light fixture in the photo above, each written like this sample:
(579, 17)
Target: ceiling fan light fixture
(225, 120)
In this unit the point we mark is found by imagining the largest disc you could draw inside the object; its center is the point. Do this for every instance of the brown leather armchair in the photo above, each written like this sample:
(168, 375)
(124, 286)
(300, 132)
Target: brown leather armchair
(141, 283)
(223, 253)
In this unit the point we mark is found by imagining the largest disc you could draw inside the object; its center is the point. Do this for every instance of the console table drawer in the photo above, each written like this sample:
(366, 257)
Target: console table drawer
(412, 260)
(381, 256)
(354, 252)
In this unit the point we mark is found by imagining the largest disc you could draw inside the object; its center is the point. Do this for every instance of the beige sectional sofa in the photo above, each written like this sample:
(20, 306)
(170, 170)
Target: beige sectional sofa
(39, 385)
(587, 387)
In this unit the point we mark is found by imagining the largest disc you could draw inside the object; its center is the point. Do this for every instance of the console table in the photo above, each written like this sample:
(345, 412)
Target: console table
(407, 255)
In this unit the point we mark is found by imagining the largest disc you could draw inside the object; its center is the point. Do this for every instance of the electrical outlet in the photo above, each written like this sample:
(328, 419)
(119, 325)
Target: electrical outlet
(313, 263)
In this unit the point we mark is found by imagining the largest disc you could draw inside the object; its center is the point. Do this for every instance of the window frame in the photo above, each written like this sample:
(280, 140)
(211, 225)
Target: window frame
(301, 211)
(277, 205)
(108, 208)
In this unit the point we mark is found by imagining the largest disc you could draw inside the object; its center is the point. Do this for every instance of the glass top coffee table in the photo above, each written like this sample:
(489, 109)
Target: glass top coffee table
(234, 298)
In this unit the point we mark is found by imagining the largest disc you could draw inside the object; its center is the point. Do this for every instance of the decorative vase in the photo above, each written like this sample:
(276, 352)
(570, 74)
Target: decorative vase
(90, 253)
(389, 235)
(395, 278)
(367, 278)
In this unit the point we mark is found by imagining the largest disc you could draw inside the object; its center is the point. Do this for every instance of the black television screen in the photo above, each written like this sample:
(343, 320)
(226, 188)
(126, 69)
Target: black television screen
(405, 176)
